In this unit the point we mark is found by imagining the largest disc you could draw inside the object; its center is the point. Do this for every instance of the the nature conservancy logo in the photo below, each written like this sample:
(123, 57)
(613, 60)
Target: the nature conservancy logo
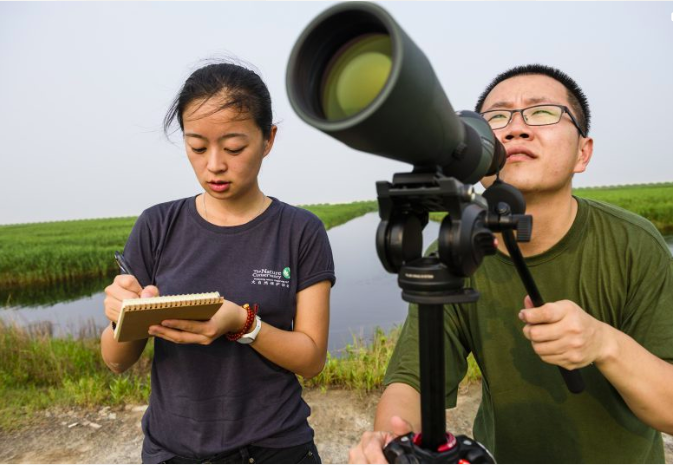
(266, 277)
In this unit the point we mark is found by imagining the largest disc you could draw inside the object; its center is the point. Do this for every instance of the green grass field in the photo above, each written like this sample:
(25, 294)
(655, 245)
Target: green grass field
(38, 372)
(651, 201)
(43, 263)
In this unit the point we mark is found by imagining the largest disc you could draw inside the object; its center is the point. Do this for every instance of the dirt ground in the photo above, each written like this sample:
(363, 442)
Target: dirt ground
(114, 436)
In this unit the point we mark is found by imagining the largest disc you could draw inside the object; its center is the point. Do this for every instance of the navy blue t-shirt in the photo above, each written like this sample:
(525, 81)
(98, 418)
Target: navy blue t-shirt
(211, 399)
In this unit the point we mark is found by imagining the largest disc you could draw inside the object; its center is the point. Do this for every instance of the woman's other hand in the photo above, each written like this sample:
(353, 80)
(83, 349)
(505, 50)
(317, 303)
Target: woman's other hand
(230, 318)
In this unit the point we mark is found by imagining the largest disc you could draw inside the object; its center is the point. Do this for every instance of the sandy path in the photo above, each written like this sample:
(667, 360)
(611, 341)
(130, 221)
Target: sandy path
(104, 436)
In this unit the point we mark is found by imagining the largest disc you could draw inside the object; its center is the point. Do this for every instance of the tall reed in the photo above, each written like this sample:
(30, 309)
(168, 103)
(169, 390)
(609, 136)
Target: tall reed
(44, 256)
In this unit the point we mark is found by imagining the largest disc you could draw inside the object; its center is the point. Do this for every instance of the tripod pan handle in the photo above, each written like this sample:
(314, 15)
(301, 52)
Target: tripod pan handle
(572, 378)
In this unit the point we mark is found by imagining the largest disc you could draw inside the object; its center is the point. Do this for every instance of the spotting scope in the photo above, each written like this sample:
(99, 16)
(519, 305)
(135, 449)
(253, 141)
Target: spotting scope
(355, 75)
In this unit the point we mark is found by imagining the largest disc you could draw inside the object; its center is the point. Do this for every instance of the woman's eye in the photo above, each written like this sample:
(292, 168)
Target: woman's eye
(235, 151)
(198, 149)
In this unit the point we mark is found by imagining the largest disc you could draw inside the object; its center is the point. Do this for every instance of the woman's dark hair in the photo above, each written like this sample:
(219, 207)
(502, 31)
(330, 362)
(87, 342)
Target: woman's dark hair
(241, 88)
(578, 101)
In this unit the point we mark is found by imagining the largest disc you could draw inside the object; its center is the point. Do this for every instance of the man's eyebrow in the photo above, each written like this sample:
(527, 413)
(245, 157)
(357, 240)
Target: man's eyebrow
(224, 137)
(529, 101)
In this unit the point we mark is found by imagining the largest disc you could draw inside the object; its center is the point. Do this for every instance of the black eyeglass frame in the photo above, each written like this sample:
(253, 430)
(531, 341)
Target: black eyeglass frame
(521, 110)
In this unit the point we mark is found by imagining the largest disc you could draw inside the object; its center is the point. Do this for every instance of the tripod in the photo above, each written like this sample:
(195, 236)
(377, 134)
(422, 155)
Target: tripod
(466, 236)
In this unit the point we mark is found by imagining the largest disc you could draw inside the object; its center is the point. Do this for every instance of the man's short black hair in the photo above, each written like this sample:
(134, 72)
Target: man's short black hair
(576, 98)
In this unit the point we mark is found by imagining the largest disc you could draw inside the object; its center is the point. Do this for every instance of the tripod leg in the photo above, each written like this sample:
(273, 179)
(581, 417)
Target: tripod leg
(431, 347)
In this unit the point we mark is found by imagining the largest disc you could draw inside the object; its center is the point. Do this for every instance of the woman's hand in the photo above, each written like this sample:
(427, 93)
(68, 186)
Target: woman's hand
(123, 287)
(120, 356)
(230, 318)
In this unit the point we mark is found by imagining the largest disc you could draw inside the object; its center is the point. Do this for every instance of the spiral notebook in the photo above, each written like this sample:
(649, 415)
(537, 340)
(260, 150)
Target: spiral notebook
(137, 315)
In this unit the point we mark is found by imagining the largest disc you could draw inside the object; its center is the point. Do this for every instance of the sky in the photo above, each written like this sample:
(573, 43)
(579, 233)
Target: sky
(84, 87)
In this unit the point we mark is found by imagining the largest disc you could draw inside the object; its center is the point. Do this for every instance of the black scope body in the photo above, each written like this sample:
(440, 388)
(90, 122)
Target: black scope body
(355, 75)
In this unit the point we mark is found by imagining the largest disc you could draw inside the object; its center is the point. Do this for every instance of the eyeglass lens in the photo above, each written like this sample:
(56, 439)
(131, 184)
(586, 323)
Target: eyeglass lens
(533, 116)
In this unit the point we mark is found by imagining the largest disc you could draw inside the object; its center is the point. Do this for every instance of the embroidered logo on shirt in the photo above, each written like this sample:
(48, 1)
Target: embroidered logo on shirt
(266, 277)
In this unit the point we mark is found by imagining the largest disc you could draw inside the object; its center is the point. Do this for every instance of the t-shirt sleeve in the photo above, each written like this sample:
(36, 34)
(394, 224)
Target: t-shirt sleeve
(404, 366)
(315, 256)
(138, 252)
(649, 308)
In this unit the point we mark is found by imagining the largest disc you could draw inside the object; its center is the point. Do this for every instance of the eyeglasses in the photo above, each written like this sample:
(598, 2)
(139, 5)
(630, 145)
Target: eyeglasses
(538, 115)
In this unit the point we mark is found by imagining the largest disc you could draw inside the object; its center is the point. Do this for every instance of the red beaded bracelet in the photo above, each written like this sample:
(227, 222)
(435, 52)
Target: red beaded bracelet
(252, 312)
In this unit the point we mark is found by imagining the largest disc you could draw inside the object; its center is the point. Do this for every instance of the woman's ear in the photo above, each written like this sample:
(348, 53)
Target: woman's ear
(268, 144)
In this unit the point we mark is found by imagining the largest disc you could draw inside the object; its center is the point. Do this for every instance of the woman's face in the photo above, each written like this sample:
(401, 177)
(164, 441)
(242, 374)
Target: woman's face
(225, 148)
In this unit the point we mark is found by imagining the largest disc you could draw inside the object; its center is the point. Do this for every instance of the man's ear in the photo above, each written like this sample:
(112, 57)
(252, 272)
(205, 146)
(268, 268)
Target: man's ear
(268, 144)
(584, 152)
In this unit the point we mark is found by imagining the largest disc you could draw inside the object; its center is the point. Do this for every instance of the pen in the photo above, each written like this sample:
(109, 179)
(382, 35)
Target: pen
(124, 267)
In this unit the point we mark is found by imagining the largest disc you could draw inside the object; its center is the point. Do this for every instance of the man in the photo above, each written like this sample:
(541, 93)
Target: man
(607, 276)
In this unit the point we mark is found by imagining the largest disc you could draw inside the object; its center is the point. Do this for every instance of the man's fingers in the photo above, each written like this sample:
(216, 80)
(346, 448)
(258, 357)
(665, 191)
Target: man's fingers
(528, 302)
(548, 349)
(370, 449)
(548, 313)
(555, 354)
(356, 455)
(543, 333)
(374, 448)
(374, 454)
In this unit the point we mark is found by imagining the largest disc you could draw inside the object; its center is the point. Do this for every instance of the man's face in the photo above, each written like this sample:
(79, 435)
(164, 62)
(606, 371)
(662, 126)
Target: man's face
(539, 158)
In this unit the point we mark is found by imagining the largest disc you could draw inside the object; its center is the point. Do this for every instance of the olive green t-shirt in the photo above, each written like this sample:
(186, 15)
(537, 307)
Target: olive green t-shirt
(617, 267)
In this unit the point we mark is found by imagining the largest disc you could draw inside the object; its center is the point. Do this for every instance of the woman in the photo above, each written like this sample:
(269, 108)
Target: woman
(225, 390)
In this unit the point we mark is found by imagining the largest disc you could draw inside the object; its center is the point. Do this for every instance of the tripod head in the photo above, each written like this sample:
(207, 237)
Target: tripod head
(465, 236)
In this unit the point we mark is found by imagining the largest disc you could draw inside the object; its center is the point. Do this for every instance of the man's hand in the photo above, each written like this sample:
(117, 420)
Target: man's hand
(228, 319)
(563, 334)
(370, 448)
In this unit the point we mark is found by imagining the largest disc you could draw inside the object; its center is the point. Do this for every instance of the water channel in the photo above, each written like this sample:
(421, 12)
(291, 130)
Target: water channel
(366, 296)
